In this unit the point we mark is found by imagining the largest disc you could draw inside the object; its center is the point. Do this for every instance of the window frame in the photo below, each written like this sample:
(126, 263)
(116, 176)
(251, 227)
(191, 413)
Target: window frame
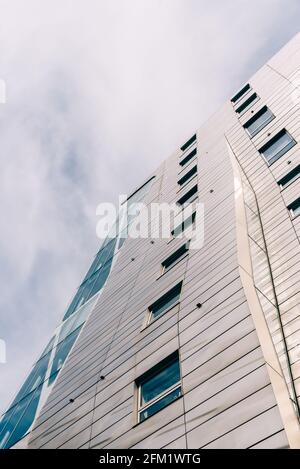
(184, 254)
(254, 118)
(193, 217)
(294, 178)
(281, 152)
(291, 209)
(193, 191)
(241, 93)
(242, 109)
(189, 157)
(193, 173)
(155, 370)
(151, 318)
(189, 143)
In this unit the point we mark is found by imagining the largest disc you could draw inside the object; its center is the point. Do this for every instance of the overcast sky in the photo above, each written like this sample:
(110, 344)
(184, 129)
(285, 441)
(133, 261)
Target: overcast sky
(98, 94)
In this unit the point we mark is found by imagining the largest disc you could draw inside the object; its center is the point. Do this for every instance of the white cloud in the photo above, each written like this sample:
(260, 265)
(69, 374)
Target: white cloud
(98, 94)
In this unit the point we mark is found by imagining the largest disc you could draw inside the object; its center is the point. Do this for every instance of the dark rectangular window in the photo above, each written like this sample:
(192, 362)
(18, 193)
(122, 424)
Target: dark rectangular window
(247, 103)
(159, 387)
(241, 93)
(189, 196)
(290, 177)
(184, 225)
(188, 157)
(166, 302)
(175, 257)
(188, 176)
(262, 118)
(277, 146)
(294, 207)
(189, 143)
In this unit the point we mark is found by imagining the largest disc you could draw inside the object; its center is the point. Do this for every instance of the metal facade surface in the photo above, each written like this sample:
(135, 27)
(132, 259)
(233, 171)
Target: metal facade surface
(229, 396)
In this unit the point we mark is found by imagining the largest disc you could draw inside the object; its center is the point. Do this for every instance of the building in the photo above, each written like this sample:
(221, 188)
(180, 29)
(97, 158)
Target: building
(164, 346)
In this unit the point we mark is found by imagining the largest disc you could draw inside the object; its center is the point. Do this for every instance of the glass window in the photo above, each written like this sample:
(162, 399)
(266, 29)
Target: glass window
(23, 418)
(290, 177)
(61, 353)
(184, 225)
(188, 176)
(277, 146)
(294, 207)
(21, 413)
(175, 257)
(247, 104)
(104, 254)
(95, 280)
(254, 125)
(189, 143)
(166, 302)
(188, 158)
(159, 387)
(241, 93)
(189, 197)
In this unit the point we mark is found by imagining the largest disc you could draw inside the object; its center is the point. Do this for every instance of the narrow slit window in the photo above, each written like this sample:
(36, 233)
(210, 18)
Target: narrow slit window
(159, 387)
(262, 118)
(188, 176)
(188, 157)
(241, 93)
(188, 143)
(290, 177)
(294, 208)
(189, 196)
(247, 104)
(166, 302)
(189, 221)
(277, 146)
(175, 257)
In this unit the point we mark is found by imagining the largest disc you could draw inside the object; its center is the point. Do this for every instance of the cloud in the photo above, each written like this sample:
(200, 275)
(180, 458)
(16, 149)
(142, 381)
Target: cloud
(98, 94)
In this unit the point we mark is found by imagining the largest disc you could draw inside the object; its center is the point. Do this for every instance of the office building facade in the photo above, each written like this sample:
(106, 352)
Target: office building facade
(168, 345)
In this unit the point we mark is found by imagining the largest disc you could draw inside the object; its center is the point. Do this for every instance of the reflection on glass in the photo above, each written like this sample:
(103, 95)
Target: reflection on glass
(163, 380)
(166, 301)
(160, 387)
(62, 350)
(11, 425)
(277, 146)
(259, 121)
(158, 405)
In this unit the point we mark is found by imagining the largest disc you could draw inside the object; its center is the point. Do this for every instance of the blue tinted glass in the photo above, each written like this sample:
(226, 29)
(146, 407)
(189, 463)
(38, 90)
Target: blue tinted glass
(48, 348)
(21, 401)
(35, 378)
(105, 253)
(7, 424)
(95, 282)
(160, 382)
(100, 279)
(61, 354)
(24, 417)
(13, 421)
(163, 402)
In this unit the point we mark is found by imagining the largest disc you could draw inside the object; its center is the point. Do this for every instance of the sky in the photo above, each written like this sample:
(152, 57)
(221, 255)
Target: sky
(98, 93)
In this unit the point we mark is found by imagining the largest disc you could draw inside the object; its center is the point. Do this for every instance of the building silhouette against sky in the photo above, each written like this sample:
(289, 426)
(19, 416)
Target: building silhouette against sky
(165, 345)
